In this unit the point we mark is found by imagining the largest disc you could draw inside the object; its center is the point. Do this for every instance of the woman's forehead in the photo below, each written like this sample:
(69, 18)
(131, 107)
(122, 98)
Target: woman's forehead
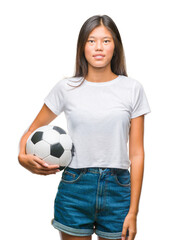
(100, 31)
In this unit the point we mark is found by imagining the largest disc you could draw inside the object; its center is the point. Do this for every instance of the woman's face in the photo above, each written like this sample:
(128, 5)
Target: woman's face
(99, 47)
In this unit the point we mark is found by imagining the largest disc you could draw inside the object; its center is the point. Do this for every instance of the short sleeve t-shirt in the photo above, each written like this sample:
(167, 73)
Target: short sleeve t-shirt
(98, 118)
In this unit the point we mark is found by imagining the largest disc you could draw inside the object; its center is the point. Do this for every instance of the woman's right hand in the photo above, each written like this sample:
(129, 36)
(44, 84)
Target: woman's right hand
(37, 165)
(31, 162)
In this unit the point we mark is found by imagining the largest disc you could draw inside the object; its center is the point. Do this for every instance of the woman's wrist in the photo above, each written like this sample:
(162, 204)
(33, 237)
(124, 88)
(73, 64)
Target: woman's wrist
(133, 212)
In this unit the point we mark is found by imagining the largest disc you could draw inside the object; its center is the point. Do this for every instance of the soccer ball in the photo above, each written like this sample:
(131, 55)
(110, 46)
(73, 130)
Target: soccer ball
(52, 144)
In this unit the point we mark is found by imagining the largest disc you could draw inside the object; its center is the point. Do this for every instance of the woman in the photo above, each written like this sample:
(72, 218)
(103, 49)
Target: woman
(97, 193)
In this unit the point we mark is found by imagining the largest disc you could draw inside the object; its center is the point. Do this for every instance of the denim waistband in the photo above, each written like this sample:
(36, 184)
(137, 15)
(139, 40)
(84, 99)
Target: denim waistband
(100, 170)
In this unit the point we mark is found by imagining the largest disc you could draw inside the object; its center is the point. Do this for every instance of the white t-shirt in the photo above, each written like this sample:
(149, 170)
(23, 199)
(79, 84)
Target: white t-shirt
(98, 118)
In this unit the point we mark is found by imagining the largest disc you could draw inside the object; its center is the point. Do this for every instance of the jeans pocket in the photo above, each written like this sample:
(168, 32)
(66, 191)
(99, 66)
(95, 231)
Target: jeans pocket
(71, 175)
(123, 178)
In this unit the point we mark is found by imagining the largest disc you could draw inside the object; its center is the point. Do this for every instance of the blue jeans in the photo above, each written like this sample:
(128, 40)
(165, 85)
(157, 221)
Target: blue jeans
(92, 200)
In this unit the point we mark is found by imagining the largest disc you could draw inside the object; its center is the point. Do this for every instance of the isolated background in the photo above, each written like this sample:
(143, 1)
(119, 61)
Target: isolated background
(37, 49)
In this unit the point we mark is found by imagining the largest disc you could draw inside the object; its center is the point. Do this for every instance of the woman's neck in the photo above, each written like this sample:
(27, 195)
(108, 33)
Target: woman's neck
(100, 75)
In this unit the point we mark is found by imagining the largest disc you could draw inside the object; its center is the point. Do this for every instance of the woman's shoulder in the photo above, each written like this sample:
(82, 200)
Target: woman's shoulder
(65, 82)
(69, 82)
(130, 81)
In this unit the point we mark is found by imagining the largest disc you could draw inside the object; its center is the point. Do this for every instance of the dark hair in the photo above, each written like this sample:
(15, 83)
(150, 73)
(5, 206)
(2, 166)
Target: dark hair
(118, 64)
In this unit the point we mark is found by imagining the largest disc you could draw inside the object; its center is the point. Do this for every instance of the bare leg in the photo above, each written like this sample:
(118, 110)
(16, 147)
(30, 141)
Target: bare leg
(65, 236)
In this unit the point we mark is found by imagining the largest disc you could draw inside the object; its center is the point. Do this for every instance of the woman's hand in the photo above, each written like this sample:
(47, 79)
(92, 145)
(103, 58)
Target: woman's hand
(131, 225)
(37, 165)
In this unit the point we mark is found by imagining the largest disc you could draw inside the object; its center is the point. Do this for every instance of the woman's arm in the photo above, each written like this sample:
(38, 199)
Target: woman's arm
(31, 162)
(44, 117)
(136, 155)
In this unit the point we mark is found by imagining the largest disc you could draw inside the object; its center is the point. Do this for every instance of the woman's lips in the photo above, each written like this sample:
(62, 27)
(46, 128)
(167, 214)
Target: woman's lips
(98, 56)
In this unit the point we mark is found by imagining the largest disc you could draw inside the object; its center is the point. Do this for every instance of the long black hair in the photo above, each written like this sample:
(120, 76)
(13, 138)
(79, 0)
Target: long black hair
(118, 63)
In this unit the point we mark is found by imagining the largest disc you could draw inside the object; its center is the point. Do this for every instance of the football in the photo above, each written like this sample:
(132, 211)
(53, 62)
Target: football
(52, 144)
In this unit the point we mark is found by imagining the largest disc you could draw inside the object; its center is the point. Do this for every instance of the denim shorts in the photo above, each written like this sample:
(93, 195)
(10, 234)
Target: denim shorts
(92, 200)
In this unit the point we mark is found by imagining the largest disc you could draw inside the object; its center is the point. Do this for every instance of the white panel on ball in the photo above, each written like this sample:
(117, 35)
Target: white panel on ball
(30, 147)
(51, 160)
(42, 149)
(66, 158)
(51, 136)
(66, 141)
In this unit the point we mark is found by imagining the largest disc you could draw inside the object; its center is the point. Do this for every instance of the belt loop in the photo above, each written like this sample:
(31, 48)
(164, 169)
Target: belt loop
(113, 171)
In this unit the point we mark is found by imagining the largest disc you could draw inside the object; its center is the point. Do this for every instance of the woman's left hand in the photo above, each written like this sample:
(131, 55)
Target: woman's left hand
(130, 223)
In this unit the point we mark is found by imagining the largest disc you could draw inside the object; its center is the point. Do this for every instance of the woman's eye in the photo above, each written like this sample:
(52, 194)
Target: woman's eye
(106, 41)
(91, 41)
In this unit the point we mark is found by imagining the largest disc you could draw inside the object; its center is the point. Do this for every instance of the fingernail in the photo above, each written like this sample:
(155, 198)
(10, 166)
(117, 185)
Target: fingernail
(45, 164)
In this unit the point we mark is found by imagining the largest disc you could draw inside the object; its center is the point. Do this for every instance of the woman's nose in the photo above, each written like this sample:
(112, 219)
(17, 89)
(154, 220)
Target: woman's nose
(98, 45)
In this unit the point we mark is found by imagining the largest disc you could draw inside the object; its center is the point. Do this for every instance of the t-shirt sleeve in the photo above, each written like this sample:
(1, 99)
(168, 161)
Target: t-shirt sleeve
(140, 105)
(55, 99)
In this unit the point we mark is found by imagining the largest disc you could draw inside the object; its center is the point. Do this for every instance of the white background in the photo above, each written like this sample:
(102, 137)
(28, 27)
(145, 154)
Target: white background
(37, 48)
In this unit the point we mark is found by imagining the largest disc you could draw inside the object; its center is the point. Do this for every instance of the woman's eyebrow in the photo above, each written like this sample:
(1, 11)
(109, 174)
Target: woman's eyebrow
(103, 37)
